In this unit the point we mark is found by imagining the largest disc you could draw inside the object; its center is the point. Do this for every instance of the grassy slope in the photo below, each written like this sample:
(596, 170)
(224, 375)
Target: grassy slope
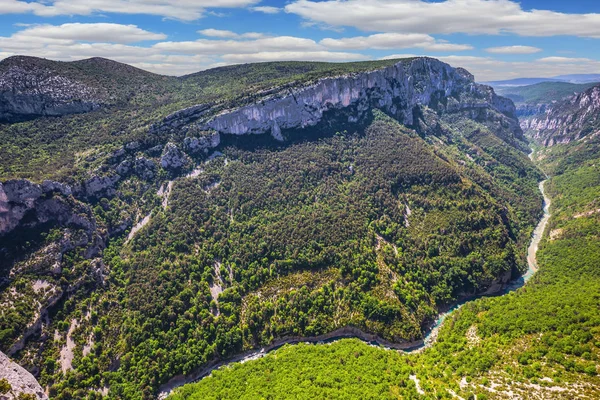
(542, 341)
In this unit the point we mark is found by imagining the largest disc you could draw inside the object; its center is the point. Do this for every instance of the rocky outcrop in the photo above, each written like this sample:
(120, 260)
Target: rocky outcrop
(141, 167)
(26, 205)
(566, 121)
(21, 197)
(30, 90)
(98, 186)
(144, 168)
(173, 158)
(201, 144)
(19, 379)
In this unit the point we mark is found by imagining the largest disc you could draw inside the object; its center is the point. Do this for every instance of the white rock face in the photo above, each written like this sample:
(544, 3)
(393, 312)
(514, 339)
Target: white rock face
(195, 145)
(568, 120)
(19, 379)
(396, 89)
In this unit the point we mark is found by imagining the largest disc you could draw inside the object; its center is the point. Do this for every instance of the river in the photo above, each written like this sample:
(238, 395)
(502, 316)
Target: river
(350, 332)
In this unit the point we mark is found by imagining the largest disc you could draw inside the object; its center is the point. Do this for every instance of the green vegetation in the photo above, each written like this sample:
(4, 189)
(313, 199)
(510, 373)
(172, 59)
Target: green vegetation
(544, 92)
(377, 228)
(540, 341)
(5, 387)
(346, 369)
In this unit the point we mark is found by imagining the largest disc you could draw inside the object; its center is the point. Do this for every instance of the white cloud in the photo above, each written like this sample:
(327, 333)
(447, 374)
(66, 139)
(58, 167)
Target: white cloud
(71, 42)
(188, 10)
(97, 32)
(229, 34)
(513, 50)
(565, 60)
(206, 46)
(266, 9)
(446, 17)
(383, 41)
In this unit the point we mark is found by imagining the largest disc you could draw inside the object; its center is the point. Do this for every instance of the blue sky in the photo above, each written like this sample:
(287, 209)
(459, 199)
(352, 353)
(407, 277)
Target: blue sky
(494, 39)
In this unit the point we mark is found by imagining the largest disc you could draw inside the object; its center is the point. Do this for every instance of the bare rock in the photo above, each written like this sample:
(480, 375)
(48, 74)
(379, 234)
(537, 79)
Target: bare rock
(196, 145)
(124, 168)
(52, 186)
(101, 185)
(20, 380)
(173, 158)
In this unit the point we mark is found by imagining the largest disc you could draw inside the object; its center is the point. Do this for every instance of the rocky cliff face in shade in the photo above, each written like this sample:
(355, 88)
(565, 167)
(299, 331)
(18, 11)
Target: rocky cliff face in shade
(572, 119)
(28, 91)
(26, 205)
(20, 380)
(19, 197)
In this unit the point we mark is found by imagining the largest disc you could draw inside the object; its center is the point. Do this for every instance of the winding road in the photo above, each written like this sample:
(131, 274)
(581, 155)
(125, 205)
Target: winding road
(345, 333)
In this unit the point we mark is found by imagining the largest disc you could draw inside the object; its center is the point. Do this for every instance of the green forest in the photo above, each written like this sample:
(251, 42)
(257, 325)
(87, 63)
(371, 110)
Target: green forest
(545, 335)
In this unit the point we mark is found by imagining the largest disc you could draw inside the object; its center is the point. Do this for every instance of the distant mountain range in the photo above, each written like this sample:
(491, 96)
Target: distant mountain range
(577, 78)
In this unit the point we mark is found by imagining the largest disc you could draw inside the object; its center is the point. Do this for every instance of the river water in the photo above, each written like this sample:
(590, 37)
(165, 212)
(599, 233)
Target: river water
(428, 341)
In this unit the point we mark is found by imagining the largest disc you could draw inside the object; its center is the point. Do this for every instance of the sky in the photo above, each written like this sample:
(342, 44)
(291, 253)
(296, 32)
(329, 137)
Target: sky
(494, 39)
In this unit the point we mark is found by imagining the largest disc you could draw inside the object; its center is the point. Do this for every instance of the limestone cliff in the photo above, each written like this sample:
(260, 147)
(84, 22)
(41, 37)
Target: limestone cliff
(399, 90)
(566, 121)
(20, 380)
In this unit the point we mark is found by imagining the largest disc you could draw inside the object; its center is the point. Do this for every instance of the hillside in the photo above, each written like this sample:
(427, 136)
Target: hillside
(33, 87)
(248, 204)
(541, 341)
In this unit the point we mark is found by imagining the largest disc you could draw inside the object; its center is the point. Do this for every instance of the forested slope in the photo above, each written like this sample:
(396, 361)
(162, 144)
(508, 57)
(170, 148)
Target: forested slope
(408, 190)
(542, 341)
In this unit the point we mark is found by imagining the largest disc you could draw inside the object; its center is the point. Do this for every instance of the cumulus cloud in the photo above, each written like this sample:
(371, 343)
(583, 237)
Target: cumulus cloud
(183, 10)
(292, 55)
(513, 50)
(446, 17)
(384, 41)
(207, 46)
(97, 32)
(77, 41)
